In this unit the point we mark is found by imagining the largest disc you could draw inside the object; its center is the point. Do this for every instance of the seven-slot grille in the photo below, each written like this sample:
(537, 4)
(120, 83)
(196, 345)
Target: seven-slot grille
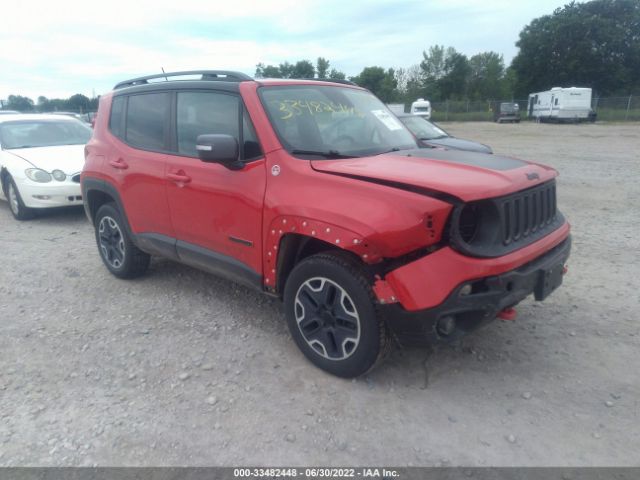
(526, 212)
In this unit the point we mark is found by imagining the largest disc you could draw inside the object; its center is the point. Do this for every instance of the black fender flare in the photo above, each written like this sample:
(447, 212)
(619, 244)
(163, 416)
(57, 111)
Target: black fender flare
(90, 186)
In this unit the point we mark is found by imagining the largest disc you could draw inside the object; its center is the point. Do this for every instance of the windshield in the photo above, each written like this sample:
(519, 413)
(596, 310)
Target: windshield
(423, 128)
(509, 107)
(333, 121)
(43, 133)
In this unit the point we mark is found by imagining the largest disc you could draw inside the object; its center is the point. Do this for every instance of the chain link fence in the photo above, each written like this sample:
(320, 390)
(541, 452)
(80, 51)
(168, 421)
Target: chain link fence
(608, 109)
(617, 108)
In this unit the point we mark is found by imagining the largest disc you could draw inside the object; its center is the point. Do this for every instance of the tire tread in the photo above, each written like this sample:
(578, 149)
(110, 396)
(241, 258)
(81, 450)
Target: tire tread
(138, 260)
(365, 280)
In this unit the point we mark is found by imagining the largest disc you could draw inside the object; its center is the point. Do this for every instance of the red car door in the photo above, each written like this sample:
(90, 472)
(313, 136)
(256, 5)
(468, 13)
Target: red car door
(137, 162)
(216, 212)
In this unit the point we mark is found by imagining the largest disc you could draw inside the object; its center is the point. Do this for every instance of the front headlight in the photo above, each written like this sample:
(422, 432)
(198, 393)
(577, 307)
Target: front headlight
(38, 175)
(59, 175)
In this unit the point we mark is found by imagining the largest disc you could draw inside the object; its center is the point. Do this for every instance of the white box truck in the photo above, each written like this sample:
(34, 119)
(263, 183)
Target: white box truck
(421, 107)
(559, 104)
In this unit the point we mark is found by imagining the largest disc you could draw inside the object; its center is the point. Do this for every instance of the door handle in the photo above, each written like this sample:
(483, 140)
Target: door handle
(179, 177)
(119, 164)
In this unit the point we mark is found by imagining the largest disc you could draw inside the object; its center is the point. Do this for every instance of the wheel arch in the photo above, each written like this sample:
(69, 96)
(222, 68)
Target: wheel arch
(295, 247)
(96, 193)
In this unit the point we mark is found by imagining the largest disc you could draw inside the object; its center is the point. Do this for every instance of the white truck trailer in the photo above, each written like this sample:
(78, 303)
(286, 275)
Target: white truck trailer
(421, 107)
(559, 104)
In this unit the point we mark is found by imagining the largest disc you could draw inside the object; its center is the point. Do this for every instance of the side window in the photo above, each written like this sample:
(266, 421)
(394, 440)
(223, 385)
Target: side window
(147, 118)
(251, 147)
(115, 119)
(200, 113)
(556, 101)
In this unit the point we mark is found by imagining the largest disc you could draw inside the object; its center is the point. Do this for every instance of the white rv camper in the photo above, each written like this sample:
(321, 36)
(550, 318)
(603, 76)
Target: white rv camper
(421, 107)
(561, 105)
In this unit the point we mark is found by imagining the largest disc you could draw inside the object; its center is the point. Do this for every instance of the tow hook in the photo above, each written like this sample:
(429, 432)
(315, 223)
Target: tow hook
(509, 314)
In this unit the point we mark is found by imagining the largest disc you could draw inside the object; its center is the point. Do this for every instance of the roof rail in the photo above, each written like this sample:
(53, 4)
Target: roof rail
(219, 75)
(332, 80)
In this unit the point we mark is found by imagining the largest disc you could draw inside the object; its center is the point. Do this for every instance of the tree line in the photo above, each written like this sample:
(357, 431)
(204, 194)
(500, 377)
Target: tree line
(76, 103)
(443, 73)
(593, 44)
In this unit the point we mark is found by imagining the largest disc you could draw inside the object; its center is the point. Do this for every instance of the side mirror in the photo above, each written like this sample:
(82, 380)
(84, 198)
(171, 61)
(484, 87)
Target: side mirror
(218, 148)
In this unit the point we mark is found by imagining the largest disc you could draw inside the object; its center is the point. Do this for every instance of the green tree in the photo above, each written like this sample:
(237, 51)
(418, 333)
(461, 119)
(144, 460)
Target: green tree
(410, 84)
(303, 69)
(509, 83)
(267, 71)
(594, 44)
(57, 105)
(300, 69)
(445, 73)
(43, 104)
(20, 103)
(322, 67)
(79, 103)
(286, 69)
(486, 76)
(337, 75)
(382, 83)
(453, 84)
(432, 66)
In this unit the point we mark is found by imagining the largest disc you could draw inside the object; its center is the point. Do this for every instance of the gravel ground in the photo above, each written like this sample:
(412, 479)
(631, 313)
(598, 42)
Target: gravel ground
(182, 368)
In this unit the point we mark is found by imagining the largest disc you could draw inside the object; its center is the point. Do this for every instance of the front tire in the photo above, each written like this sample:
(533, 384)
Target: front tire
(121, 257)
(16, 205)
(333, 317)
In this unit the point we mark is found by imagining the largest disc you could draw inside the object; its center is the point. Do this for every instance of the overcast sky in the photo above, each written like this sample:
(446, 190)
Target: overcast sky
(61, 47)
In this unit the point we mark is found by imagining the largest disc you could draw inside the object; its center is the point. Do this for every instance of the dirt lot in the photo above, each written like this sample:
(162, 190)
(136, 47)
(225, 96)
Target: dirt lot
(182, 368)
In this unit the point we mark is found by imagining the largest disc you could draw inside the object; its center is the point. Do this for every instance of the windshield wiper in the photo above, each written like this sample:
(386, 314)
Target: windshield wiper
(331, 154)
(394, 149)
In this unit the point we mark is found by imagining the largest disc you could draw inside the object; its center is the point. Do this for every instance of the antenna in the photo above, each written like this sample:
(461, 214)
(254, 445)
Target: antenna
(165, 77)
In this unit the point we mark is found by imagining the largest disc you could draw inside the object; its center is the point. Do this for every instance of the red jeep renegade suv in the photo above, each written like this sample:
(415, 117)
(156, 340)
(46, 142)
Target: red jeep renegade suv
(312, 191)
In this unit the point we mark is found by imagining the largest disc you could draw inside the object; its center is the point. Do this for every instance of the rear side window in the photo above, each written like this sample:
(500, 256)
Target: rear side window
(200, 113)
(116, 119)
(147, 119)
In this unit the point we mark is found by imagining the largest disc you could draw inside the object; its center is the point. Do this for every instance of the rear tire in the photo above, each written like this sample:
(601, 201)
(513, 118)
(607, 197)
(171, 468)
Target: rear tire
(121, 257)
(333, 317)
(16, 205)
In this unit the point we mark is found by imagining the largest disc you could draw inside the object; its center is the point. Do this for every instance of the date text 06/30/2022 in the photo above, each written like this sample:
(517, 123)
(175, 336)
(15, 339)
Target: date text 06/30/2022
(315, 473)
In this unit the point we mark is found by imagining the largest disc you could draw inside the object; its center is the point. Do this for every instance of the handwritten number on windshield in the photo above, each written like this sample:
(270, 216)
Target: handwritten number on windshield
(292, 108)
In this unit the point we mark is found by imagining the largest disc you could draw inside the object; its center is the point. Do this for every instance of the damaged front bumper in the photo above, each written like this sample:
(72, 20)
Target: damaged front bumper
(477, 301)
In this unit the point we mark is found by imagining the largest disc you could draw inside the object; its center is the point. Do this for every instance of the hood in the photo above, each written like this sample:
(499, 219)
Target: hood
(68, 158)
(450, 175)
(459, 144)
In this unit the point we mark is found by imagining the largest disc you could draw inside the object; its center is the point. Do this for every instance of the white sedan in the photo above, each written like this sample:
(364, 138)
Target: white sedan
(41, 158)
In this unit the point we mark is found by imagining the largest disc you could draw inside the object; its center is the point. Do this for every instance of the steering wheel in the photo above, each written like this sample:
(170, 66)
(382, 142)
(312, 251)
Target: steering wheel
(344, 141)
